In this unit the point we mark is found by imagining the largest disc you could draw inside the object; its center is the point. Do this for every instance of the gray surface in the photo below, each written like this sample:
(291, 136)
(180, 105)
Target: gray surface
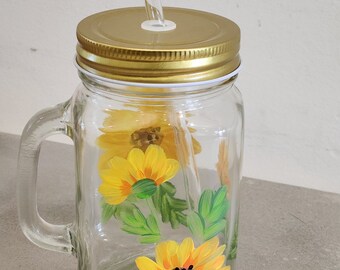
(281, 227)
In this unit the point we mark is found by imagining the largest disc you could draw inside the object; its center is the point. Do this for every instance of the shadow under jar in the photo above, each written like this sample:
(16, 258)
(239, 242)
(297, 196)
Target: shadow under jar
(157, 125)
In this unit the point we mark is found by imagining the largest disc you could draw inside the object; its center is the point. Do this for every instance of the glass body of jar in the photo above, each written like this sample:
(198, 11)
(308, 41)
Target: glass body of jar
(158, 170)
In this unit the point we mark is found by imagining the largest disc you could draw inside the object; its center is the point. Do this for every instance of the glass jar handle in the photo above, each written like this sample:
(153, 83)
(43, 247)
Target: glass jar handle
(45, 123)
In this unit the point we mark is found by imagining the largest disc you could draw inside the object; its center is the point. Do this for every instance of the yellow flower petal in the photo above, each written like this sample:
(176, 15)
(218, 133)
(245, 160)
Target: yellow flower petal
(206, 248)
(136, 158)
(144, 263)
(154, 160)
(172, 167)
(118, 150)
(122, 169)
(157, 163)
(108, 177)
(184, 251)
(115, 200)
(115, 191)
(171, 255)
(126, 119)
(108, 190)
(222, 165)
(108, 140)
(210, 255)
(214, 263)
(196, 145)
(164, 253)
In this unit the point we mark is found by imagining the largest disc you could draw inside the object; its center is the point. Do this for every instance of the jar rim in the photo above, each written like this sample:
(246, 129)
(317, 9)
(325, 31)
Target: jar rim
(158, 85)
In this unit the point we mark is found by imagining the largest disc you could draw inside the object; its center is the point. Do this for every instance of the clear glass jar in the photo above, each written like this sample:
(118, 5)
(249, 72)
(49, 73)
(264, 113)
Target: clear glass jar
(158, 167)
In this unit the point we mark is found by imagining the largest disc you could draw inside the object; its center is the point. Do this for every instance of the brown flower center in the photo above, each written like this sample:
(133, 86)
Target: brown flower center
(143, 137)
(191, 267)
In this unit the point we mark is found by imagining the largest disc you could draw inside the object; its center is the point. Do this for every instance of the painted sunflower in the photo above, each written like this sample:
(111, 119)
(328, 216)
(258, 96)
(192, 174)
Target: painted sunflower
(124, 130)
(139, 174)
(173, 256)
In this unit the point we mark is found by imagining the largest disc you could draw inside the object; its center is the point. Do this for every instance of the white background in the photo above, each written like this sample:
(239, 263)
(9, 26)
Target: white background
(290, 79)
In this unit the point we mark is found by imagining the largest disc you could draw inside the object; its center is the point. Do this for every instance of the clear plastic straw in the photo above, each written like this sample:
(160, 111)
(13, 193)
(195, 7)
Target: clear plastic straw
(154, 11)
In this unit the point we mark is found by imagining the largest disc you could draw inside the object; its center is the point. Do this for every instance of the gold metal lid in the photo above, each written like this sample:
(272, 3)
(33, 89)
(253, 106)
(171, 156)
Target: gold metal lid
(203, 46)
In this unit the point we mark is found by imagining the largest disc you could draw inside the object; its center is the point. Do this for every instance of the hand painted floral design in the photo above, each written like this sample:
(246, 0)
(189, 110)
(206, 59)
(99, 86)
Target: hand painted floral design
(142, 151)
(173, 256)
(124, 130)
(139, 174)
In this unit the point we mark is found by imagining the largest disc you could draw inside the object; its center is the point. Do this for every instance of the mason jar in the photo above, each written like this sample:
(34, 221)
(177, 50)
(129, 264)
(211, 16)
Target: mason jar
(157, 126)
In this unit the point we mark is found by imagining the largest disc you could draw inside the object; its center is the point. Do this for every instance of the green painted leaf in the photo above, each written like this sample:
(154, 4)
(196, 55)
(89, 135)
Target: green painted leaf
(169, 188)
(129, 219)
(165, 209)
(174, 220)
(139, 217)
(148, 230)
(152, 224)
(134, 230)
(214, 229)
(233, 248)
(177, 204)
(170, 208)
(210, 219)
(133, 221)
(232, 254)
(131, 199)
(220, 195)
(182, 218)
(108, 211)
(156, 199)
(145, 188)
(217, 213)
(196, 225)
(126, 207)
(205, 203)
(149, 238)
